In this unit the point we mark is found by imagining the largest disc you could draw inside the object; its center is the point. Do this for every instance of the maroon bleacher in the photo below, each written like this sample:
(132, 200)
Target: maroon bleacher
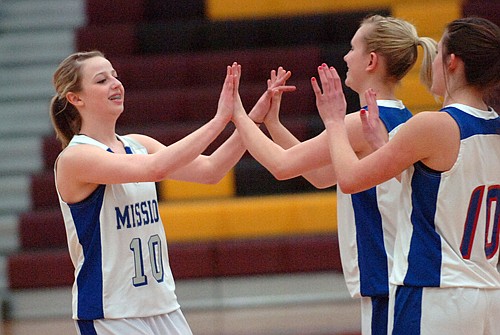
(242, 257)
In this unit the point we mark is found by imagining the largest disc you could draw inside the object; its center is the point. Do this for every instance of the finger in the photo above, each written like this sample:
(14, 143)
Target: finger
(273, 76)
(371, 99)
(336, 79)
(323, 78)
(236, 69)
(228, 81)
(283, 76)
(329, 74)
(284, 88)
(315, 87)
(364, 118)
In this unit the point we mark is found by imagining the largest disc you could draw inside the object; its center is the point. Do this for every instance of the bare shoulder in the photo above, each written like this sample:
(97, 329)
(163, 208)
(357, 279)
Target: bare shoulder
(434, 137)
(432, 122)
(78, 155)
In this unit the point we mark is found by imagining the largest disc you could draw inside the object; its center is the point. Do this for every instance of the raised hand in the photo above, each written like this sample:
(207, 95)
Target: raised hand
(330, 100)
(226, 99)
(373, 129)
(275, 87)
(278, 78)
(237, 103)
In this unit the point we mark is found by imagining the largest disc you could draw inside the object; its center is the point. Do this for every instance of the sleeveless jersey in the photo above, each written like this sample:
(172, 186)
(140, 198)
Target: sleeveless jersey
(118, 247)
(367, 223)
(449, 232)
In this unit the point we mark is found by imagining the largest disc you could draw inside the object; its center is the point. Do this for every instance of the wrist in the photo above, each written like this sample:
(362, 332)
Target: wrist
(334, 123)
(257, 122)
(220, 121)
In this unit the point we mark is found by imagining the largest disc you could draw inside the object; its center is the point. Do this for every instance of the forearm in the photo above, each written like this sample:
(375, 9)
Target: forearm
(211, 169)
(186, 150)
(263, 149)
(344, 156)
(281, 135)
(320, 178)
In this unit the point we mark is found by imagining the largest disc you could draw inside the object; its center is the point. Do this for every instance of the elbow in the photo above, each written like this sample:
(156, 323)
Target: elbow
(322, 185)
(210, 174)
(348, 185)
(157, 174)
(280, 172)
(213, 178)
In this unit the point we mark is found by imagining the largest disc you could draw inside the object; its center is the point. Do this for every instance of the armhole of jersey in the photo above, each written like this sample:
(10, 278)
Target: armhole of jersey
(133, 143)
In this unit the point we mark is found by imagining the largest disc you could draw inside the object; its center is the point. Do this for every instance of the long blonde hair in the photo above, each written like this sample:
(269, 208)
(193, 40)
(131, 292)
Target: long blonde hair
(64, 116)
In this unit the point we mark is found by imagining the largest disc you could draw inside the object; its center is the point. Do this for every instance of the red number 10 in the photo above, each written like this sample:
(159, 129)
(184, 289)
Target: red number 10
(492, 221)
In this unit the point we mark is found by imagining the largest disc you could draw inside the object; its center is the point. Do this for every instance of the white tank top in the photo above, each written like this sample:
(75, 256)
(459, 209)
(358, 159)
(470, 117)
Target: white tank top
(118, 247)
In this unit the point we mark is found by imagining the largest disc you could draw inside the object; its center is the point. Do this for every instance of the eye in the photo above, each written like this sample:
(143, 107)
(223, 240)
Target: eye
(102, 81)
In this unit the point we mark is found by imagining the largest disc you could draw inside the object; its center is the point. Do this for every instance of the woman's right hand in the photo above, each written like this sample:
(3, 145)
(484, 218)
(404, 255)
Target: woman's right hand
(226, 100)
(278, 78)
(270, 101)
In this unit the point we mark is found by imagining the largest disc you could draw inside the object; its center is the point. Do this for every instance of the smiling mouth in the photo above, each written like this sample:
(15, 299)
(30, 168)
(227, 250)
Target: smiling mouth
(115, 97)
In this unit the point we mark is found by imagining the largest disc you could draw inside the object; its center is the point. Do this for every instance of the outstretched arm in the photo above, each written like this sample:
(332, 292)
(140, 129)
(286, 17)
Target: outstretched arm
(321, 177)
(282, 163)
(354, 174)
(211, 169)
(80, 168)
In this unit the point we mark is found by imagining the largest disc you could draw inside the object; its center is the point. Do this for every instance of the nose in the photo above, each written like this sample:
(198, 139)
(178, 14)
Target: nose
(116, 82)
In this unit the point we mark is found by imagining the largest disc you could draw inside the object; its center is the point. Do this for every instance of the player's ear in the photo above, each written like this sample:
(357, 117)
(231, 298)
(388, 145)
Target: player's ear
(74, 99)
(453, 62)
(374, 59)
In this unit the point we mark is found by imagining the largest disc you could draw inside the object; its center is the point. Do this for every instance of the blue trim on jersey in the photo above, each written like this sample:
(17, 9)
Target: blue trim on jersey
(372, 256)
(424, 257)
(89, 281)
(393, 117)
(86, 327)
(471, 125)
(407, 311)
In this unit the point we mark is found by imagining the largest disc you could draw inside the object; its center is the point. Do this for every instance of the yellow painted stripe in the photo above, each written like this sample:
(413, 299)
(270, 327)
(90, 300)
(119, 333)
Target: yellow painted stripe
(415, 95)
(250, 216)
(180, 190)
(241, 9)
(429, 17)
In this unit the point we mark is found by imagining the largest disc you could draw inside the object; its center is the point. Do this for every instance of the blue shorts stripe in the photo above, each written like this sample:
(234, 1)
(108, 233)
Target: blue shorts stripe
(407, 310)
(86, 327)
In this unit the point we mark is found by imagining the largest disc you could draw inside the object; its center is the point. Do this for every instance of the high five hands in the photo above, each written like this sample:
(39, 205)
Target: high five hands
(269, 101)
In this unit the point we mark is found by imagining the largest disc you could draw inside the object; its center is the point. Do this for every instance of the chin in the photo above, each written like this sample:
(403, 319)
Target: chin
(347, 82)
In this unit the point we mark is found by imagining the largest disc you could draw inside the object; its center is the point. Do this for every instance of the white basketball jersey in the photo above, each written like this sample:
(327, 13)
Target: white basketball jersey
(367, 223)
(118, 246)
(449, 231)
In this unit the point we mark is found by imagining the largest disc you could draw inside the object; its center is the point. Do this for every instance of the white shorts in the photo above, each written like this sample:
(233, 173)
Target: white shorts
(173, 323)
(443, 311)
